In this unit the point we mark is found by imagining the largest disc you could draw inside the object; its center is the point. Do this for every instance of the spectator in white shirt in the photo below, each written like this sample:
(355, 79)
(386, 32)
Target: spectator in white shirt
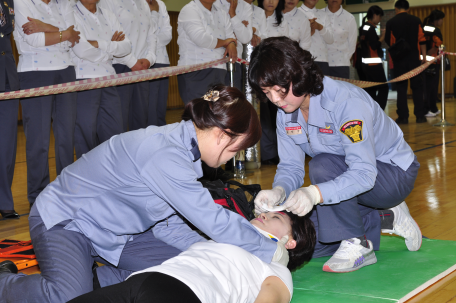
(205, 34)
(276, 26)
(298, 24)
(321, 32)
(135, 18)
(240, 13)
(345, 33)
(99, 111)
(44, 33)
(158, 88)
(258, 23)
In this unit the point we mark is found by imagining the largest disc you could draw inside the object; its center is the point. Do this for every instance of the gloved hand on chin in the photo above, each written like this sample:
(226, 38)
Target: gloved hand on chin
(269, 198)
(302, 200)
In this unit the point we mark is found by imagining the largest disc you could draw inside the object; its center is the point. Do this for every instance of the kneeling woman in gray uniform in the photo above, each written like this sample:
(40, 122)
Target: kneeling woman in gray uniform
(217, 272)
(360, 160)
(117, 204)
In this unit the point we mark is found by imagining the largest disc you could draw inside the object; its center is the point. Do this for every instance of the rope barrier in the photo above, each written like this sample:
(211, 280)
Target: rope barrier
(151, 74)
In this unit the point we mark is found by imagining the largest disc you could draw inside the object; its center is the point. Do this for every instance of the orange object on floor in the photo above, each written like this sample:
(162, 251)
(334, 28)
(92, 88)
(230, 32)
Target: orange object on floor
(16, 249)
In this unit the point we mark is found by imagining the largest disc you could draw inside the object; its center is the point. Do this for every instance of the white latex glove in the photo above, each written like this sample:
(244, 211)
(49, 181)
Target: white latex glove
(302, 200)
(268, 199)
(281, 253)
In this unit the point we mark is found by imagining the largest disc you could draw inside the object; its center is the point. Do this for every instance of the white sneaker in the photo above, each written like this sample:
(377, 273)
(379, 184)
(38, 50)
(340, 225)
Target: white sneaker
(406, 227)
(351, 256)
(438, 112)
(430, 114)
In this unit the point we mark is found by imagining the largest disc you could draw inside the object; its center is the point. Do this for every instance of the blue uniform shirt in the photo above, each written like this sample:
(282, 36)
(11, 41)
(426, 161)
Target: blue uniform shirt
(343, 120)
(136, 179)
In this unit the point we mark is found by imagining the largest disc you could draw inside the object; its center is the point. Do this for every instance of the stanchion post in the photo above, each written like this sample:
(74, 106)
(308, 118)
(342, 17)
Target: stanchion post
(443, 122)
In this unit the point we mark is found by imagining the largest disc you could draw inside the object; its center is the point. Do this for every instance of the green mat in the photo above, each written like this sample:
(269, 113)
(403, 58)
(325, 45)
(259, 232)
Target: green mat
(396, 273)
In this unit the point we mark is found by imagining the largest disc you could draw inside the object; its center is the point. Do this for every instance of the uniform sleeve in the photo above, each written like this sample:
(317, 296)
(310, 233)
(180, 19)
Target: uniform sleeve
(243, 33)
(327, 31)
(290, 171)
(173, 179)
(165, 30)
(151, 54)
(305, 37)
(355, 128)
(229, 33)
(176, 233)
(421, 36)
(352, 37)
(261, 25)
(278, 270)
(22, 11)
(372, 38)
(388, 34)
(191, 22)
(437, 37)
(115, 48)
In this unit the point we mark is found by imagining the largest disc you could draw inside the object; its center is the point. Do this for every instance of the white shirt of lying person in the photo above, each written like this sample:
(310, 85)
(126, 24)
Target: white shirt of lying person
(259, 21)
(221, 273)
(135, 18)
(299, 28)
(164, 32)
(198, 31)
(320, 39)
(345, 33)
(275, 31)
(98, 26)
(34, 55)
(243, 13)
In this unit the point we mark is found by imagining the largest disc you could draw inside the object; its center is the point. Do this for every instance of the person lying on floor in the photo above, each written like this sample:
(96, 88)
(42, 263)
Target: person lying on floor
(216, 272)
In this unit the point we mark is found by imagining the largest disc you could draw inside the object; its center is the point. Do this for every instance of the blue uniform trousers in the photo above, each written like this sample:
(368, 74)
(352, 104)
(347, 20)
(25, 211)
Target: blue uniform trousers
(158, 98)
(324, 66)
(340, 71)
(8, 142)
(66, 259)
(37, 114)
(196, 84)
(134, 98)
(358, 216)
(237, 76)
(99, 117)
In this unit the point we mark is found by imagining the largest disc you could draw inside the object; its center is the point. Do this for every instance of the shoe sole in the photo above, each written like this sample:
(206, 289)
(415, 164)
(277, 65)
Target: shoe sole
(368, 262)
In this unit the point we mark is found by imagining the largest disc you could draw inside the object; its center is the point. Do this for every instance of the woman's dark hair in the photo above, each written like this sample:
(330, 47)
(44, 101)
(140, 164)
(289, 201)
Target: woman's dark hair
(434, 16)
(278, 11)
(373, 10)
(231, 113)
(303, 232)
(402, 4)
(281, 61)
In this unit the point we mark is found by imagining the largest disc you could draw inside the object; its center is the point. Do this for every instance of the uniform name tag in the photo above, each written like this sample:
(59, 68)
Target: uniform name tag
(293, 130)
(326, 131)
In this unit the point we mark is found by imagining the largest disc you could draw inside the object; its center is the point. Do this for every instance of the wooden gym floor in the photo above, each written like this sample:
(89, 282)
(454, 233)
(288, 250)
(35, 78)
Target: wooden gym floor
(431, 202)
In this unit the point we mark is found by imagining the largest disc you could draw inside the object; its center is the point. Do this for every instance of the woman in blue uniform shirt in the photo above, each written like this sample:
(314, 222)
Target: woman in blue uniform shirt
(118, 203)
(360, 160)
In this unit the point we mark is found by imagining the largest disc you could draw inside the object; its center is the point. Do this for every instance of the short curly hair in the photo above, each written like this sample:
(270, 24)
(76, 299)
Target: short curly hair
(281, 61)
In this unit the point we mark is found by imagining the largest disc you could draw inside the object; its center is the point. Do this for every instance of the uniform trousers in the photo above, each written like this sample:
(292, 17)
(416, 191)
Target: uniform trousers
(8, 142)
(37, 114)
(324, 66)
(432, 78)
(376, 73)
(237, 75)
(340, 71)
(196, 84)
(99, 117)
(416, 83)
(357, 216)
(134, 98)
(268, 142)
(158, 99)
(66, 259)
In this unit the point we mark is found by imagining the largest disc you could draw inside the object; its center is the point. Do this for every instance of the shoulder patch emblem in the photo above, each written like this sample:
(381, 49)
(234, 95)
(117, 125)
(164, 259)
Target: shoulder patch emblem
(353, 129)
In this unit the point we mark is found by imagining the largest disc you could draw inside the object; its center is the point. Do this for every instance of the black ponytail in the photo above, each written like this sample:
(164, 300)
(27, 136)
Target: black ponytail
(433, 16)
(373, 10)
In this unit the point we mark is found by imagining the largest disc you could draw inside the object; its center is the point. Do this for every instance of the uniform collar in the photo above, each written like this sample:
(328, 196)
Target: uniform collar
(85, 12)
(371, 23)
(292, 12)
(338, 13)
(225, 4)
(306, 9)
(273, 16)
(191, 141)
(316, 112)
(203, 9)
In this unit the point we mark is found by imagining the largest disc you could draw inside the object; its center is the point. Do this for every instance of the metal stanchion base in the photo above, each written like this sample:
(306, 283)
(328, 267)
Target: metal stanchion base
(443, 123)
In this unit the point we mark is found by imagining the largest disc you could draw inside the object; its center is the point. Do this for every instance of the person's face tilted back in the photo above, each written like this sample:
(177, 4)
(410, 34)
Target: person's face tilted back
(275, 223)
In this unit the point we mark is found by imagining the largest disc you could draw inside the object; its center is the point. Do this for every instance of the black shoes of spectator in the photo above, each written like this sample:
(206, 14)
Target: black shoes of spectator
(273, 161)
(402, 120)
(421, 119)
(8, 267)
(9, 214)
